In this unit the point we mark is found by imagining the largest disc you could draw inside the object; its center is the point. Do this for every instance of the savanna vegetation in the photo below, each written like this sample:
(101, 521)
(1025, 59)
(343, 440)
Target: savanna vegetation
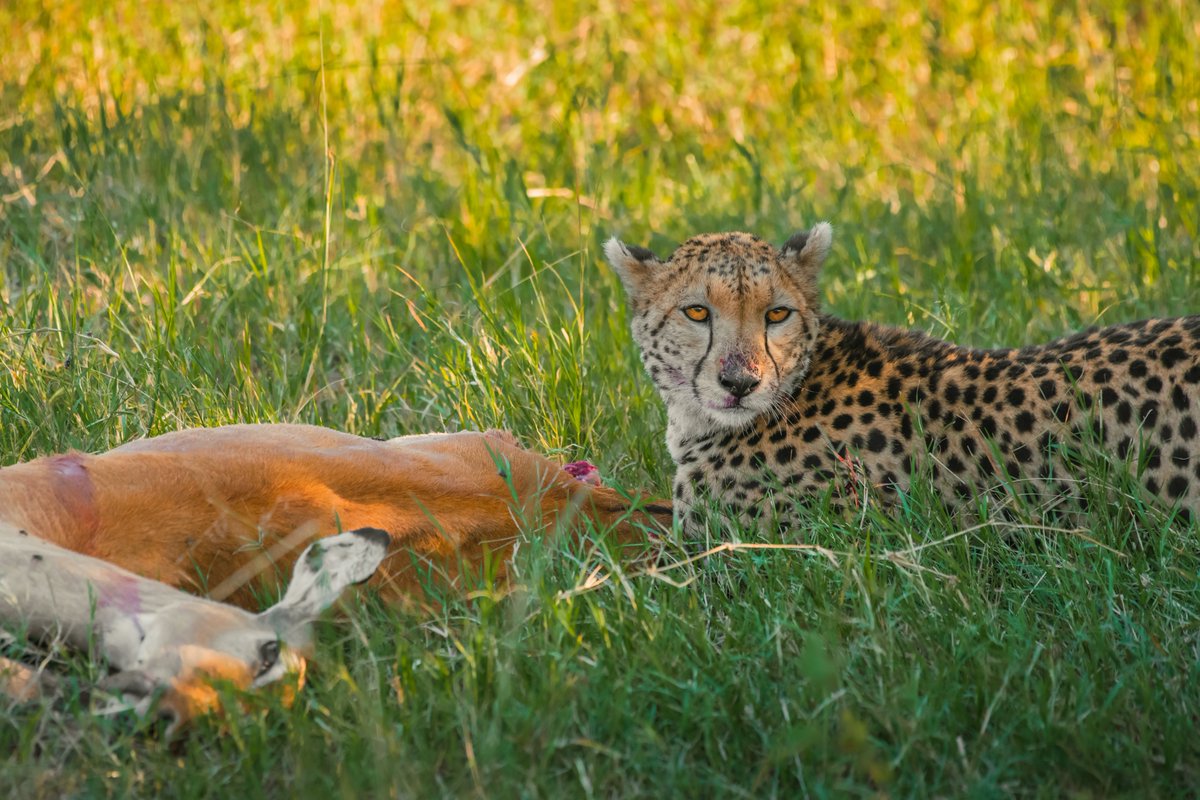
(386, 218)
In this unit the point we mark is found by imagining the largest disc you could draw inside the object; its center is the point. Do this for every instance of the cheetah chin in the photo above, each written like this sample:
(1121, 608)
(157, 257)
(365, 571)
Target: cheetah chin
(772, 403)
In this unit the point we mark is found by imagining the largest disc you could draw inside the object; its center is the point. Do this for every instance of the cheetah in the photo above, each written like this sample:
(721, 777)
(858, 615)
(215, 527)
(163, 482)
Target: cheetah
(771, 402)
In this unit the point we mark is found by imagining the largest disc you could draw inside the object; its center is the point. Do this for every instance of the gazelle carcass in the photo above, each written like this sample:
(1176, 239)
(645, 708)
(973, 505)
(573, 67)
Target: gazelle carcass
(100, 548)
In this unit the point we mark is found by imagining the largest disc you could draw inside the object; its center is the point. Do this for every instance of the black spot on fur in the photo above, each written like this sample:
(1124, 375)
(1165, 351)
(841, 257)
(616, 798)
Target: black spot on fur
(1179, 398)
(1149, 414)
(1173, 356)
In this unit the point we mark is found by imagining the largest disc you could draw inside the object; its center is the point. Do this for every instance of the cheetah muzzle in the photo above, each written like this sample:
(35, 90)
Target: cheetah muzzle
(772, 403)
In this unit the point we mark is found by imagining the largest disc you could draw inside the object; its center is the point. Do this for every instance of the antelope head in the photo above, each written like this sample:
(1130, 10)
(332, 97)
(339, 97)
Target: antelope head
(167, 647)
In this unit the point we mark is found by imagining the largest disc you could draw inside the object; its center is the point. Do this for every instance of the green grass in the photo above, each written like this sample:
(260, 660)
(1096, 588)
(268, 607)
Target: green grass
(386, 218)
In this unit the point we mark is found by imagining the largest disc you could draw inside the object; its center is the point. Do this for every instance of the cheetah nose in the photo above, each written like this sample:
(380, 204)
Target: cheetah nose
(739, 385)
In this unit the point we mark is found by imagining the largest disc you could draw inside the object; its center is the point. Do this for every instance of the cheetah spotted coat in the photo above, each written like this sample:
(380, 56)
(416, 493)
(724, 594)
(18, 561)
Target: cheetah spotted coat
(765, 416)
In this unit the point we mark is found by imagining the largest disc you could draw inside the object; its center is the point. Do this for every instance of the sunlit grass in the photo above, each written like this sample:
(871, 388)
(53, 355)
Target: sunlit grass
(386, 218)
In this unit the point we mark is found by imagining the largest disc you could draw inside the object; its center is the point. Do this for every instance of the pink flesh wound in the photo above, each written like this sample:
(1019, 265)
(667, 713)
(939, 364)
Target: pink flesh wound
(584, 471)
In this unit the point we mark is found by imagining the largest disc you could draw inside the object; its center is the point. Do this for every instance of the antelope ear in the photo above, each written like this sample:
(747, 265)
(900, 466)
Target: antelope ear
(633, 265)
(804, 253)
(323, 571)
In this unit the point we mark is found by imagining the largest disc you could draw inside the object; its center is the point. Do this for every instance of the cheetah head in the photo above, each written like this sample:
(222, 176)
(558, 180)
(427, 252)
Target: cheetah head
(726, 325)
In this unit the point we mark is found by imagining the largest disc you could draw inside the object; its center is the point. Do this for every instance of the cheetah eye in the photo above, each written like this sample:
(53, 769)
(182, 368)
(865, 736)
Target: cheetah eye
(778, 314)
(696, 313)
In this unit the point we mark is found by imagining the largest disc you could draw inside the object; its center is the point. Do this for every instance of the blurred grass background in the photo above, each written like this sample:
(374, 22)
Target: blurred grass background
(385, 217)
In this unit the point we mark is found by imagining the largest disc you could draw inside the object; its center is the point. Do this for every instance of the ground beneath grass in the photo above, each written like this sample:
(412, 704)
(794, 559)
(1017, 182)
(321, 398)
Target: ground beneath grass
(386, 218)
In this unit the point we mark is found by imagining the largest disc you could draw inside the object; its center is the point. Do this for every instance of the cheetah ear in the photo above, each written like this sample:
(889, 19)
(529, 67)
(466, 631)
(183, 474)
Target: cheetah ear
(633, 265)
(804, 254)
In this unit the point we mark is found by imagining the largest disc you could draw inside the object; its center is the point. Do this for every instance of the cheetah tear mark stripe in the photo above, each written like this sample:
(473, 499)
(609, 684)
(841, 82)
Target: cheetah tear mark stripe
(770, 355)
(700, 365)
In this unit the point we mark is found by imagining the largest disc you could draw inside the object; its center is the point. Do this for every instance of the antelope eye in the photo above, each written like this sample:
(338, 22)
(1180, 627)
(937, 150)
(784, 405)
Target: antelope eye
(268, 654)
(696, 313)
(778, 314)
